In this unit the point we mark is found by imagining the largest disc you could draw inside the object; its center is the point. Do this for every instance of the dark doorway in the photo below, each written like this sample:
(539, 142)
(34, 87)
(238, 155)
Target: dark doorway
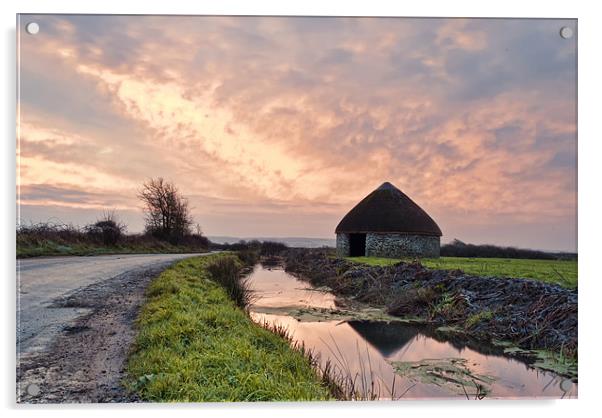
(357, 245)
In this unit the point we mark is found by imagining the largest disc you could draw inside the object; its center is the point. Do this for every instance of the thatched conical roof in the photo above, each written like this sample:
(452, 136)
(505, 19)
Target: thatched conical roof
(388, 209)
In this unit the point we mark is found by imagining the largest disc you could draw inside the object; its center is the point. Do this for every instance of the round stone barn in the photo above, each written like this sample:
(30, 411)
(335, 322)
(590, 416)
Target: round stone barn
(387, 223)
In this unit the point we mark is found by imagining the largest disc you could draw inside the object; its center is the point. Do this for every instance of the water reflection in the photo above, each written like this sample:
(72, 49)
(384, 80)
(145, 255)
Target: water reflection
(387, 339)
(366, 349)
(276, 288)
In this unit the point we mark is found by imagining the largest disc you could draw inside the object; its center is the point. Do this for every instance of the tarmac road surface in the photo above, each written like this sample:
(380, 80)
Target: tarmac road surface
(43, 281)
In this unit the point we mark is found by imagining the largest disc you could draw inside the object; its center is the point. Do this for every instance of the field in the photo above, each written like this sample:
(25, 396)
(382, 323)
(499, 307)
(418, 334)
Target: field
(195, 345)
(560, 272)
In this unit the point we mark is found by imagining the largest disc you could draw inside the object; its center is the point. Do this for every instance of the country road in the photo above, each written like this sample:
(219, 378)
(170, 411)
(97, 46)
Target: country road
(42, 280)
(75, 322)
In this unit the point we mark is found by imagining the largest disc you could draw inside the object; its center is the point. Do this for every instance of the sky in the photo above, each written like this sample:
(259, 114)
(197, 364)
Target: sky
(278, 126)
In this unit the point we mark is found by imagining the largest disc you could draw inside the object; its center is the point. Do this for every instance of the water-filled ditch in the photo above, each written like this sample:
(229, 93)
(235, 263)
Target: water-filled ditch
(395, 359)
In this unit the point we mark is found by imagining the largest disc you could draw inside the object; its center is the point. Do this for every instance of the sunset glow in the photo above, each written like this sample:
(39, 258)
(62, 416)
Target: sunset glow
(276, 126)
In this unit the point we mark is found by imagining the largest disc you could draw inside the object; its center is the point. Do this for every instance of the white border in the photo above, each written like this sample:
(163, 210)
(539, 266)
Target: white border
(590, 208)
(458, 8)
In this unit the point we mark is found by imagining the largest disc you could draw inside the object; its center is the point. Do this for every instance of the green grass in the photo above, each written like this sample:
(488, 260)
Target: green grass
(475, 319)
(51, 248)
(559, 272)
(195, 345)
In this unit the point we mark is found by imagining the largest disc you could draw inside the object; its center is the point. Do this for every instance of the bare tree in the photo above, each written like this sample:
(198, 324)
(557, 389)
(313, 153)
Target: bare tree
(167, 213)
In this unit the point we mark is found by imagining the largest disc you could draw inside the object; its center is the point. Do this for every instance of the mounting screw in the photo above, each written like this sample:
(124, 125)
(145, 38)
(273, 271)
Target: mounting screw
(566, 32)
(32, 28)
(32, 389)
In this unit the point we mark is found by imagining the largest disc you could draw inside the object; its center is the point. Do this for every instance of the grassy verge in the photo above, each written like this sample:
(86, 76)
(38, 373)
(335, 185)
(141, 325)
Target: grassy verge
(52, 248)
(195, 345)
(559, 272)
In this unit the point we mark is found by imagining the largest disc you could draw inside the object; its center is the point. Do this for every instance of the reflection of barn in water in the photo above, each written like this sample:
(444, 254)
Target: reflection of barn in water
(386, 338)
(389, 338)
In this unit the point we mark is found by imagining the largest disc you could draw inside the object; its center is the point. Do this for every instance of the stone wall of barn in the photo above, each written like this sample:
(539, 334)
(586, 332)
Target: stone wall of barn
(342, 245)
(401, 245)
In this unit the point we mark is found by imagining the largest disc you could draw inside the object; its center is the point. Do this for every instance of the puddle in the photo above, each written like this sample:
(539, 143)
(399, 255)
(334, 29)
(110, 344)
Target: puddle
(394, 358)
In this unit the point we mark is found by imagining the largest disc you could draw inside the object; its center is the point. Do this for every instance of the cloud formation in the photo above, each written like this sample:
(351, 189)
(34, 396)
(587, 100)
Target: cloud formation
(278, 126)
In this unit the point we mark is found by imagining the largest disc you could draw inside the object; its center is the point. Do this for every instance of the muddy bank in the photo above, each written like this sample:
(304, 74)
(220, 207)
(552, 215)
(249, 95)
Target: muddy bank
(85, 363)
(532, 315)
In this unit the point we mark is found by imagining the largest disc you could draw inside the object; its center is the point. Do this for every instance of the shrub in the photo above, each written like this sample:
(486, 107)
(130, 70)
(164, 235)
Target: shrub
(107, 230)
(265, 248)
(269, 248)
(248, 257)
(195, 241)
(457, 248)
(107, 234)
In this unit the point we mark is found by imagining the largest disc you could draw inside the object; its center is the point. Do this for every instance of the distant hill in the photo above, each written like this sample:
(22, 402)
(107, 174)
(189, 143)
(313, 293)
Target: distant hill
(299, 242)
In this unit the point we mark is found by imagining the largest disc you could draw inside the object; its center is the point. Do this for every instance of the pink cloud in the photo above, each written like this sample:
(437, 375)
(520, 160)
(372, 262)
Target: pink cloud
(261, 110)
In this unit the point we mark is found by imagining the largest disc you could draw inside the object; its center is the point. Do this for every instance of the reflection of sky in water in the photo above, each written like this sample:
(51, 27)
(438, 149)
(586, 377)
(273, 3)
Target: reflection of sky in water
(276, 288)
(365, 348)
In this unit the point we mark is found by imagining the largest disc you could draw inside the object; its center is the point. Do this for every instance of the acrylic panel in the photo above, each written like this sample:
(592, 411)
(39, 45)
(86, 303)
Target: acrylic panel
(263, 208)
